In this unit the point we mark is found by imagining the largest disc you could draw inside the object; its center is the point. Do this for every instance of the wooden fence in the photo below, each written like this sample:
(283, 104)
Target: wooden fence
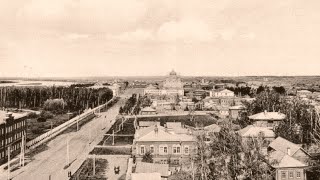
(55, 131)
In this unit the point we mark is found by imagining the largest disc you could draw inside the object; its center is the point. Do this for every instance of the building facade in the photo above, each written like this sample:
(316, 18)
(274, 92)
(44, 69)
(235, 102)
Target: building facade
(221, 93)
(267, 119)
(166, 147)
(172, 85)
(12, 128)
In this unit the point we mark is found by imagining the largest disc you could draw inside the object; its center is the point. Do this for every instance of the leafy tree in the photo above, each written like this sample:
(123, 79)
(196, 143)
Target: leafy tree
(260, 89)
(232, 158)
(147, 157)
(181, 175)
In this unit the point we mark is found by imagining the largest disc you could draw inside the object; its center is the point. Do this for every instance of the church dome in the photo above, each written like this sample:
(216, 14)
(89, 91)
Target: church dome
(173, 73)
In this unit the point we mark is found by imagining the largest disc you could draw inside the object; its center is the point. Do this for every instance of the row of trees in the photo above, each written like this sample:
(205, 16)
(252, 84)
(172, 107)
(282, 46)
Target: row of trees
(301, 116)
(129, 105)
(35, 97)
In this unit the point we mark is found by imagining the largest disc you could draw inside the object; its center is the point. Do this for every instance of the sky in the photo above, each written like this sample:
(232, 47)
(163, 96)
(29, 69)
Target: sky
(71, 38)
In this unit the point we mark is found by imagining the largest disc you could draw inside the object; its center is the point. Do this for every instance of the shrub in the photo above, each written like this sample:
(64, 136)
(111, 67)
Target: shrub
(46, 115)
(33, 115)
(41, 119)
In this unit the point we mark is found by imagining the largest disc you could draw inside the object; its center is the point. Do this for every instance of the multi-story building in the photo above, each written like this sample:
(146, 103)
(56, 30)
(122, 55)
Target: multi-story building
(221, 93)
(289, 160)
(234, 111)
(168, 146)
(172, 85)
(12, 128)
(267, 119)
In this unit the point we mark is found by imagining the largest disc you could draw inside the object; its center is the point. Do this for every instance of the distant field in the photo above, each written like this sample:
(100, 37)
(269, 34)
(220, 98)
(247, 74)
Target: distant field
(35, 83)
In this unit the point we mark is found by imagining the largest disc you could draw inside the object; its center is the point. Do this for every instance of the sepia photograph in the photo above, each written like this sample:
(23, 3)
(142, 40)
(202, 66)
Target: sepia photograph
(159, 90)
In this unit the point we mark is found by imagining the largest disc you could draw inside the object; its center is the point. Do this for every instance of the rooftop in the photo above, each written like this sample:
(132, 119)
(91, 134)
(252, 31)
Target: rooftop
(279, 159)
(148, 109)
(268, 116)
(15, 115)
(145, 176)
(237, 107)
(282, 145)
(213, 128)
(223, 91)
(161, 134)
(253, 131)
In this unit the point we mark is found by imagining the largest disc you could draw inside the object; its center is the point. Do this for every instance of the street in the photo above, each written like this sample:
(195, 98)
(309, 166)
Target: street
(50, 163)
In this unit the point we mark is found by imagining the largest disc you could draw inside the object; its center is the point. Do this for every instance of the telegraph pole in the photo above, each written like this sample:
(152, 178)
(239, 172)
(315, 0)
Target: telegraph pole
(78, 123)
(8, 175)
(94, 165)
(112, 137)
(68, 157)
(22, 150)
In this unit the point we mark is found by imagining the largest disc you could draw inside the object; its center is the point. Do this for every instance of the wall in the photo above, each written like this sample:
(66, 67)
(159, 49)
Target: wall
(287, 170)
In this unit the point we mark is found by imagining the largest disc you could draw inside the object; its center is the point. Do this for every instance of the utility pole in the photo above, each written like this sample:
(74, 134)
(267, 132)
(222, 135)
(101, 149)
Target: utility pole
(78, 123)
(112, 137)
(8, 175)
(68, 157)
(94, 165)
(22, 151)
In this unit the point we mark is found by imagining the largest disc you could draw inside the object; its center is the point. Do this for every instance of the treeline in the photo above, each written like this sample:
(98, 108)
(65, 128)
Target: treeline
(128, 107)
(81, 85)
(243, 91)
(301, 117)
(34, 97)
(278, 89)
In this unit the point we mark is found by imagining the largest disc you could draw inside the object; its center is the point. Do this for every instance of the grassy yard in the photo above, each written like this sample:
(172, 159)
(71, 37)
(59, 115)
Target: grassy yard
(198, 120)
(35, 128)
(85, 172)
(127, 128)
(111, 151)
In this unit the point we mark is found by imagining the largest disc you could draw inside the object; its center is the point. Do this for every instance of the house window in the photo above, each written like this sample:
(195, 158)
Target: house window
(186, 150)
(298, 175)
(151, 149)
(163, 149)
(176, 149)
(290, 174)
(142, 150)
(283, 175)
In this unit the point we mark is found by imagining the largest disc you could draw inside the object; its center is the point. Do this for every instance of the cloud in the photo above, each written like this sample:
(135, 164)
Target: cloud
(137, 35)
(86, 16)
(185, 30)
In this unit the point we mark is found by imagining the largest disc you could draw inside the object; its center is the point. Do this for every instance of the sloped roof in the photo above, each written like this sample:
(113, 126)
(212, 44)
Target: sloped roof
(223, 91)
(173, 124)
(304, 91)
(148, 123)
(148, 109)
(143, 167)
(281, 144)
(279, 159)
(213, 128)
(149, 134)
(253, 131)
(239, 107)
(150, 86)
(145, 176)
(268, 116)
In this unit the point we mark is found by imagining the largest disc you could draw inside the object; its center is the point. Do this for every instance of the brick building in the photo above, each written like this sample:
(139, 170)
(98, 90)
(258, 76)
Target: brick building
(12, 128)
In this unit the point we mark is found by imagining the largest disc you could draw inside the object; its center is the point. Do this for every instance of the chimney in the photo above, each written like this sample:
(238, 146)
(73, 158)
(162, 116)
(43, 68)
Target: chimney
(289, 151)
(156, 129)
